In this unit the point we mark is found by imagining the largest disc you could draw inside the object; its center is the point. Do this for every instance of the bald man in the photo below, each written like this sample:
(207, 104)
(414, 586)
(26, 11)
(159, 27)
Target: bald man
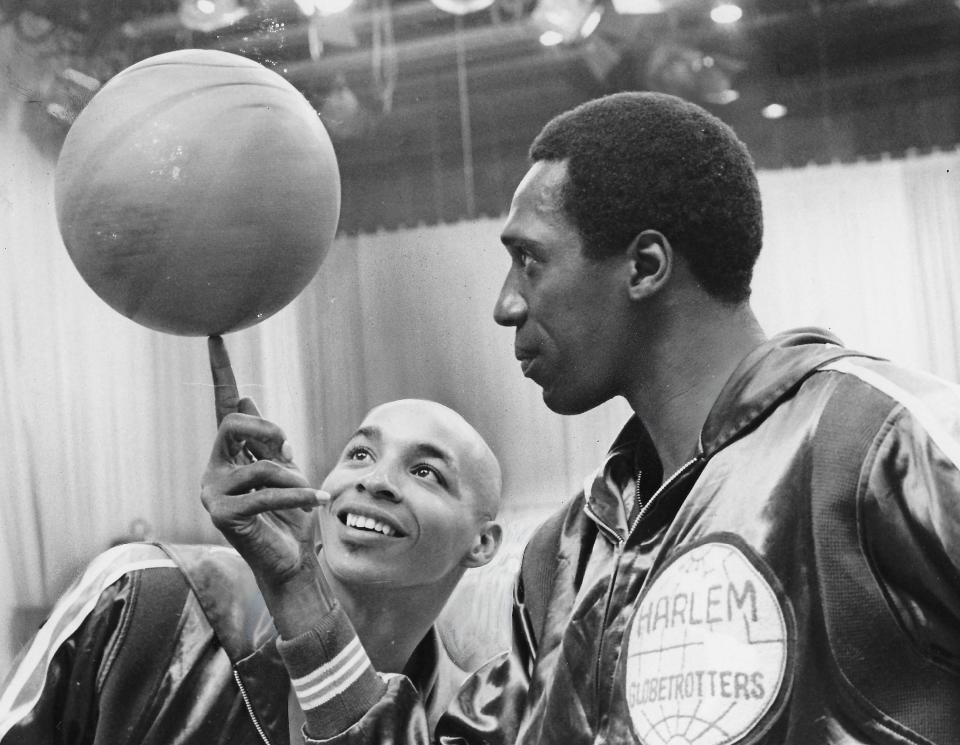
(161, 644)
(410, 506)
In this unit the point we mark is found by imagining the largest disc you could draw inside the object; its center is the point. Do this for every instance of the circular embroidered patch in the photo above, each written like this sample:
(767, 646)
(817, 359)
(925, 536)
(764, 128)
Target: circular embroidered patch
(707, 650)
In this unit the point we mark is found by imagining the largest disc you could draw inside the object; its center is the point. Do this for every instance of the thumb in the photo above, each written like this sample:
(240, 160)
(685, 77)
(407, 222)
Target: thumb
(248, 406)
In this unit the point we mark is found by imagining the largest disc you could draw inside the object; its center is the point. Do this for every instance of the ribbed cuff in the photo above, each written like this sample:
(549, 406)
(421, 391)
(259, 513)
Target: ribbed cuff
(331, 675)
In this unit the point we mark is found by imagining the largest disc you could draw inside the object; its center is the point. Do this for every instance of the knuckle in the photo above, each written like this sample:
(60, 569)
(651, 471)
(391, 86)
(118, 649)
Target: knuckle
(231, 421)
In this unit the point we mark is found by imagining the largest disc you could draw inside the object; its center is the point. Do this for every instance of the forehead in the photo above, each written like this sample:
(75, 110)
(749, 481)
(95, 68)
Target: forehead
(415, 425)
(536, 212)
(541, 188)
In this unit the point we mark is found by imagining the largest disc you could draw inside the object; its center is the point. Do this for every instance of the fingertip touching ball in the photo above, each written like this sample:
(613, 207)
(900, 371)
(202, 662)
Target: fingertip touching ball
(198, 192)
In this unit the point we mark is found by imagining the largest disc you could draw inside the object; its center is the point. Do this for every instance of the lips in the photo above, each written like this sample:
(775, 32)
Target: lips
(527, 358)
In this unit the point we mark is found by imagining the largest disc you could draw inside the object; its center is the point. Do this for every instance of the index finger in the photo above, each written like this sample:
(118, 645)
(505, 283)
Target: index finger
(226, 397)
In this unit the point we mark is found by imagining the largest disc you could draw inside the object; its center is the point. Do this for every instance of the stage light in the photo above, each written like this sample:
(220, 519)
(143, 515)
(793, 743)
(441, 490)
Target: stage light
(210, 15)
(590, 25)
(639, 7)
(323, 7)
(341, 112)
(721, 97)
(774, 111)
(689, 73)
(69, 91)
(551, 38)
(566, 21)
(724, 13)
(462, 7)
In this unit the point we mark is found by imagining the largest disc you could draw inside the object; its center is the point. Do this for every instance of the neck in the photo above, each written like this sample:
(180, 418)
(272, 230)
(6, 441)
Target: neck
(390, 622)
(685, 371)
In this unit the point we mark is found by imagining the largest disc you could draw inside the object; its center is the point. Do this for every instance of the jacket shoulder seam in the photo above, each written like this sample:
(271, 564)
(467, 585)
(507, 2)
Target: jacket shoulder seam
(917, 409)
(123, 629)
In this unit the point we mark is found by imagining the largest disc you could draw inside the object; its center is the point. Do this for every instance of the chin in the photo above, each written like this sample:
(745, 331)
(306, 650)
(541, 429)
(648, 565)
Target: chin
(570, 403)
(361, 573)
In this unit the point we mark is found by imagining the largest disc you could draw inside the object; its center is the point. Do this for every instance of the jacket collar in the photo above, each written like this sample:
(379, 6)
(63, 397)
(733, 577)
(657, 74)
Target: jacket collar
(766, 377)
(633, 450)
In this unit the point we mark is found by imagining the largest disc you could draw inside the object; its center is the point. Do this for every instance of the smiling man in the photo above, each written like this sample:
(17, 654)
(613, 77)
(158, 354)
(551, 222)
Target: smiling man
(406, 510)
(166, 645)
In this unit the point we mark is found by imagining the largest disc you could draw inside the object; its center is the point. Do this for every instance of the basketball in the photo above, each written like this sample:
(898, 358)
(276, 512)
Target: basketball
(197, 193)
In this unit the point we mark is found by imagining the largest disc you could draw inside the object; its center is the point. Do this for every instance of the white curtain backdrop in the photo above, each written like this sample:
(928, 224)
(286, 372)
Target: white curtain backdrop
(870, 251)
(106, 422)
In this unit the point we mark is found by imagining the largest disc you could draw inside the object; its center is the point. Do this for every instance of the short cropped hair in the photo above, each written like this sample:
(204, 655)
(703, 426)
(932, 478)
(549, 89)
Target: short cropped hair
(639, 161)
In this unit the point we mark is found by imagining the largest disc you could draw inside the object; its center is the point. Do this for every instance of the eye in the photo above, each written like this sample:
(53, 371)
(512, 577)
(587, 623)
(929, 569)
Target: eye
(521, 256)
(358, 452)
(424, 471)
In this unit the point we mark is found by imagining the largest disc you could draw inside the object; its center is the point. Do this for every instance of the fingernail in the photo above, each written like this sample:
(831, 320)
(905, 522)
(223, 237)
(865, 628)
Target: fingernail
(323, 497)
(286, 450)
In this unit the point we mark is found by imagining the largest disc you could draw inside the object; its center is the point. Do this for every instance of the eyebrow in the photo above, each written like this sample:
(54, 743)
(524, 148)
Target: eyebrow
(371, 433)
(424, 449)
(432, 451)
(519, 242)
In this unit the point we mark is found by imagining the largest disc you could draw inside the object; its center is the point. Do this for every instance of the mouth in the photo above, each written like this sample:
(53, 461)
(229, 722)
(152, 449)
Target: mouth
(524, 355)
(370, 524)
(527, 359)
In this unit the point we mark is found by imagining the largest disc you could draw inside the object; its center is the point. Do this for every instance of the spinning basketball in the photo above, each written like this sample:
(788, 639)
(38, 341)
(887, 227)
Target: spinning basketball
(197, 193)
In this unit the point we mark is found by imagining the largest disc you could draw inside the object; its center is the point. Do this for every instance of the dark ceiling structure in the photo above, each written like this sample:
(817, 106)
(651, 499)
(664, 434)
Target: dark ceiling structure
(432, 106)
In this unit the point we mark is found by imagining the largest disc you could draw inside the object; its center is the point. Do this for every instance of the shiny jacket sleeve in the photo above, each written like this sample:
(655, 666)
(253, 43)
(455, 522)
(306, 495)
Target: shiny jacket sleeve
(346, 702)
(52, 694)
(910, 522)
(906, 517)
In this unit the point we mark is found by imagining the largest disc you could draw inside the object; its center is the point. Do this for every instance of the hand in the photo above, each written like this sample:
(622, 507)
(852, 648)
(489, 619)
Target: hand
(254, 492)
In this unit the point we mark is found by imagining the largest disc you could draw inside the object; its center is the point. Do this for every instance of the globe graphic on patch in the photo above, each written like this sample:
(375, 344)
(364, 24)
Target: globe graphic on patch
(707, 650)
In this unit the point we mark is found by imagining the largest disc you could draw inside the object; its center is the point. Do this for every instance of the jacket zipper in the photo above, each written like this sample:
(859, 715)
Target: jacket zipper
(246, 702)
(616, 567)
(607, 531)
(643, 510)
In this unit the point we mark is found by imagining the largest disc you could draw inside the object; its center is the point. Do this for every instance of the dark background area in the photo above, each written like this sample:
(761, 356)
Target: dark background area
(431, 113)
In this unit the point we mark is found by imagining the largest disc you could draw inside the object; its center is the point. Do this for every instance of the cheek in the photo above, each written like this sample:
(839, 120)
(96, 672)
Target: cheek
(451, 533)
(336, 480)
(327, 521)
(565, 311)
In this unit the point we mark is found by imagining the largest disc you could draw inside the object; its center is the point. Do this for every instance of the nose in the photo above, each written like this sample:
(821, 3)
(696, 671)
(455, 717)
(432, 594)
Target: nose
(511, 308)
(379, 484)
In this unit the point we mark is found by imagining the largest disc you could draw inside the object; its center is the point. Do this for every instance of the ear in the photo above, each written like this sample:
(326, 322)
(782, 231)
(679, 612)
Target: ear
(485, 545)
(651, 263)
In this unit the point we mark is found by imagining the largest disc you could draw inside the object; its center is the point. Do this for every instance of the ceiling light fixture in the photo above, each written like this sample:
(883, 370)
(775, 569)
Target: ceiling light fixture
(551, 38)
(724, 13)
(774, 111)
(462, 7)
(566, 21)
(639, 7)
(210, 15)
(323, 7)
(689, 73)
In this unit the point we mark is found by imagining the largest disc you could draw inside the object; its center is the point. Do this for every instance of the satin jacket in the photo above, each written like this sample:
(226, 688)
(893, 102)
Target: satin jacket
(172, 645)
(796, 583)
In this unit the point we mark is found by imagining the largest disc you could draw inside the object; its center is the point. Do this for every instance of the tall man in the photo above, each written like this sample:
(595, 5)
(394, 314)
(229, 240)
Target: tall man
(770, 552)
